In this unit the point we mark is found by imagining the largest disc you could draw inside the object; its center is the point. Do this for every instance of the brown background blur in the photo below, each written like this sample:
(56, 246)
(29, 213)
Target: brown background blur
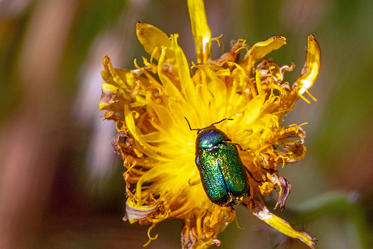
(60, 183)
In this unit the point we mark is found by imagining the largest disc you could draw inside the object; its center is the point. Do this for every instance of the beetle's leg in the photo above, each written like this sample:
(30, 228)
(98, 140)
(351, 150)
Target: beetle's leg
(239, 146)
(192, 182)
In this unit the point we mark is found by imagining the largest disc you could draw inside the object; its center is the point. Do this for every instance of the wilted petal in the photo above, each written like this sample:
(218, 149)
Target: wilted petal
(284, 189)
(110, 97)
(200, 232)
(135, 212)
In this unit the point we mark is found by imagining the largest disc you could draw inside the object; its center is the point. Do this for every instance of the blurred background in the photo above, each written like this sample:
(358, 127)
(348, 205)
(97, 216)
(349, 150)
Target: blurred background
(61, 184)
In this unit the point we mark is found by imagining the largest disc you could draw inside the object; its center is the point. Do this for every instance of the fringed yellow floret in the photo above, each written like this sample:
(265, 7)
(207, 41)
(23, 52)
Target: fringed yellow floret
(149, 105)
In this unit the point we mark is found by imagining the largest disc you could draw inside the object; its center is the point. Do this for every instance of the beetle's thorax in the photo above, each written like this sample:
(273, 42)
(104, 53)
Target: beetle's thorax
(209, 137)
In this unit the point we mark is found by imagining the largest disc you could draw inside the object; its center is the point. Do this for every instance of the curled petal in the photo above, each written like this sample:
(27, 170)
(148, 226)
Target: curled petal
(200, 29)
(310, 69)
(135, 212)
(115, 76)
(262, 212)
(152, 39)
(260, 49)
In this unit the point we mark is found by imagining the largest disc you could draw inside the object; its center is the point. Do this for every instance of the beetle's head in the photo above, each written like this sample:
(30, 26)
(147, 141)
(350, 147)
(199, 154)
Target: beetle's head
(209, 137)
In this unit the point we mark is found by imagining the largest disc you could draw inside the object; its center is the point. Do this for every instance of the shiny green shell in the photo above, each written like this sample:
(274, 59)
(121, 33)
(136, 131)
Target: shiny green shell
(222, 172)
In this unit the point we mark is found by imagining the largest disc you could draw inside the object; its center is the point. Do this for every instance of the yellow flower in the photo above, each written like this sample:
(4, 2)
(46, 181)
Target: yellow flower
(150, 103)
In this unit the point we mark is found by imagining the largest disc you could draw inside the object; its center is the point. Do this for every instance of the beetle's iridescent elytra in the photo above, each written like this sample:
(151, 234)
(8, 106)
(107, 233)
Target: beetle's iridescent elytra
(222, 173)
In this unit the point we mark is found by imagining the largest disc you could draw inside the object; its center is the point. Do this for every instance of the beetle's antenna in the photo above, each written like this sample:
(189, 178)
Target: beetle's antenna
(221, 121)
(190, 128)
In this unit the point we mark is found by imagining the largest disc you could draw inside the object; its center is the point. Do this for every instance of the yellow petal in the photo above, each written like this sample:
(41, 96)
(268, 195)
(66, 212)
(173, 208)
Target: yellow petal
(111, 75)
(152, 38)
(261, 49)
(182, 66)
(311, 68)
(261, 211)
(200, 29)
(169, 87)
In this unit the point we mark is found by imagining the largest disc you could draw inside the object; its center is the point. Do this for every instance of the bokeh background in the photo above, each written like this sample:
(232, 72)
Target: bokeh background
(60, 183)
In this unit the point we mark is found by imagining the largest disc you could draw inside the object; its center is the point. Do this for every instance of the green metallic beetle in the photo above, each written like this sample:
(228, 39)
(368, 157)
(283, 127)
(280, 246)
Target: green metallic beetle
(222, 173)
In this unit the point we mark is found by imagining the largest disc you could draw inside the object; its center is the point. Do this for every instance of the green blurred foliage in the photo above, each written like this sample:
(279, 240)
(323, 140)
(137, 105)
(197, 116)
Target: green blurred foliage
(12, 32)
(94, 17)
